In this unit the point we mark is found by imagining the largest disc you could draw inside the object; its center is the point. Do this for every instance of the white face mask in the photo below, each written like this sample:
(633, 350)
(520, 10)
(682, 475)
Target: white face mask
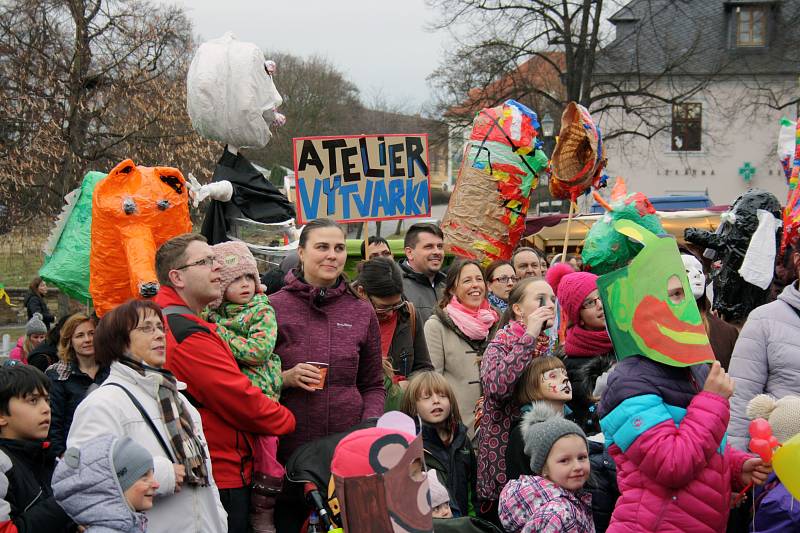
(694, 271)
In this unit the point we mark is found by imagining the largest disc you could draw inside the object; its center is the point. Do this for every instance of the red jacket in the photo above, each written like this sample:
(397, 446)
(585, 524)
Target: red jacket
(232, 409)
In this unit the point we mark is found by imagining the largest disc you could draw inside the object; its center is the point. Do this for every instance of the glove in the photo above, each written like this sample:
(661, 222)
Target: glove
(218, 190)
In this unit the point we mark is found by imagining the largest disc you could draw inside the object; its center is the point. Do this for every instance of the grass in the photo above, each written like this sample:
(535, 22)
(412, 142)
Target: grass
(21, 255)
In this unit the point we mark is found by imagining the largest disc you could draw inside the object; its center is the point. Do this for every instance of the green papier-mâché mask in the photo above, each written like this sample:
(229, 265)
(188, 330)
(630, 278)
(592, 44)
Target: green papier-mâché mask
(646, 313)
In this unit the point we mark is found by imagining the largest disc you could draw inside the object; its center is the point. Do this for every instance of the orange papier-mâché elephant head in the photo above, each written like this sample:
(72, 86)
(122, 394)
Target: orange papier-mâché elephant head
(134, 211)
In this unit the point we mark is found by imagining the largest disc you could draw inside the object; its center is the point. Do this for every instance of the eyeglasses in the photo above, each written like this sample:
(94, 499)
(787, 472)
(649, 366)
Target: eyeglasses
(506, 279)
(149, 329)
(389, 309)
(206, 261)
(588, 304)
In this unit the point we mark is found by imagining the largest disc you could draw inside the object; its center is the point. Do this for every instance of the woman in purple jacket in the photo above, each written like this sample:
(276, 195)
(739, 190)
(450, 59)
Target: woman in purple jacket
(321, 321)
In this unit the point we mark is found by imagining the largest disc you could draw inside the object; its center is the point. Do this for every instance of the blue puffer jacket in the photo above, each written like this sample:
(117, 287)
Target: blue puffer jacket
(86, 486)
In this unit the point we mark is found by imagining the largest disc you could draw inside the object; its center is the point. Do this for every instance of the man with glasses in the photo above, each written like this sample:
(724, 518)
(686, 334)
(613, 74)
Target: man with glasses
(232, 409)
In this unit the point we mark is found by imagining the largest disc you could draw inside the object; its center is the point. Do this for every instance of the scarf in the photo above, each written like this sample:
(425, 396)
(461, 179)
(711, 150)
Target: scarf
(473, 324)
(187, 448)
(543, 341)
(498, 302)
(587, 343)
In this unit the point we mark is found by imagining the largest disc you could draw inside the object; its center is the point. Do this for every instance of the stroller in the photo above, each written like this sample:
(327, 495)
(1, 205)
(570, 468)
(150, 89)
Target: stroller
(308, 479)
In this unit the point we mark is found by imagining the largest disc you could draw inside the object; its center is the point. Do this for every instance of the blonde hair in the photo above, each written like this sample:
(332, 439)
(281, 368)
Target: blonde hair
(425, 383)
(529, 386)
(66, 352)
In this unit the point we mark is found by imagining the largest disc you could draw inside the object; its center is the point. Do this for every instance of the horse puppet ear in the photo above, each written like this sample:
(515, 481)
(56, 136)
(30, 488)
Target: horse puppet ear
(636, 232)
(387, 452)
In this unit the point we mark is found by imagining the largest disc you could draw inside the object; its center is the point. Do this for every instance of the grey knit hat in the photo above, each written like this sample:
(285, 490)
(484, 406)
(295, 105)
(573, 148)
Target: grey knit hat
(35, 325)
(541, 428)
(131, 461)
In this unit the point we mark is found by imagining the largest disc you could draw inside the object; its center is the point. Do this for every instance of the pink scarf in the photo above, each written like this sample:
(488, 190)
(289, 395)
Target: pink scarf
(474, 324)
(586, 343)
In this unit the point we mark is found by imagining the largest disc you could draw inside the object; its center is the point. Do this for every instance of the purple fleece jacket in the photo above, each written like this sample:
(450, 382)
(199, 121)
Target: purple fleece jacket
(335, 327)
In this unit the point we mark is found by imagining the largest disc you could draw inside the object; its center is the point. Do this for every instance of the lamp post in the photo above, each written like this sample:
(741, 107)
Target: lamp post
(548, 125)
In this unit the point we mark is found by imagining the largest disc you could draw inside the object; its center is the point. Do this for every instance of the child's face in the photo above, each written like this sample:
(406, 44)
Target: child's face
(433, 407)
(37, 339)
(443, 511)
(140, 494)
(568, 463)
(555, 385)
(241, 290)
(28, 417)
(537, 294)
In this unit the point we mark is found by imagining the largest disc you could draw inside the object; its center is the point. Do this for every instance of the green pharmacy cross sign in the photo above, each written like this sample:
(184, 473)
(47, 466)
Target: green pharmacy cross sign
(747, 172)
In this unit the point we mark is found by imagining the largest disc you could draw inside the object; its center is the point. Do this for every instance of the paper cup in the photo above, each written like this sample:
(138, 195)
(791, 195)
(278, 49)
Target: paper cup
(323, 373)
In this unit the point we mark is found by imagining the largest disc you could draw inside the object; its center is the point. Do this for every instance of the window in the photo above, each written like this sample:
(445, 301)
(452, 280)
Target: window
(751, 26)
(687, 127)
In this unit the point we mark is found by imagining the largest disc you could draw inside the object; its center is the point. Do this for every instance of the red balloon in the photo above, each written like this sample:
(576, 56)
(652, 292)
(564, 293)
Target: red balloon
(762, 448)
(762, 441)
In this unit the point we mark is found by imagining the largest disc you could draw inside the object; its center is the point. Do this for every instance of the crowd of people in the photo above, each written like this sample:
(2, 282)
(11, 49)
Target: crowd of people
(195, 401)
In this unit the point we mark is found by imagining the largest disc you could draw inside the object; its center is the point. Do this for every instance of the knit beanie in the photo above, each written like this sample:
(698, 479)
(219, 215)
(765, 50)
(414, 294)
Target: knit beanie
(541, 428)
(439, 493)
(572, 291)
(783, 415)
(236, 260)
(131, 461)
(35, 325)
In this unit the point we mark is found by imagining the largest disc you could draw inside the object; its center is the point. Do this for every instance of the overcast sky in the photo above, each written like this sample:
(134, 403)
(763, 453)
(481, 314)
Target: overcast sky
(382, 46)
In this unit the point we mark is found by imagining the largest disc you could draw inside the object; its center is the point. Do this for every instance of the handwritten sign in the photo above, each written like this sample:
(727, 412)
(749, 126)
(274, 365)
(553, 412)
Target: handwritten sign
(362, 177)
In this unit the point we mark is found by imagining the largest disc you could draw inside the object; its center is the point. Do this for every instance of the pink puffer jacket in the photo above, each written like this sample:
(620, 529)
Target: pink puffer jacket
(674, 469)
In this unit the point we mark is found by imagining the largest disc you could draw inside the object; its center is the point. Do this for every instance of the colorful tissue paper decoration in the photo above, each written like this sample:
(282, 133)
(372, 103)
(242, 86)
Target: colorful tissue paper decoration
(503, 161)
(66, 263)
(605, 249)
(135, 210)
(579, 157)
(791, 213)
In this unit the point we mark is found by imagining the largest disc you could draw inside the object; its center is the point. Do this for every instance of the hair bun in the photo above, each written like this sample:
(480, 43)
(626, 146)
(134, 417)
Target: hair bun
(761, 406)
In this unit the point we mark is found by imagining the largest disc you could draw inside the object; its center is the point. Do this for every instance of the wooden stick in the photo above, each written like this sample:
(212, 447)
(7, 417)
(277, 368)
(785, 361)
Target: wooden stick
(572, 206)
(366, 237)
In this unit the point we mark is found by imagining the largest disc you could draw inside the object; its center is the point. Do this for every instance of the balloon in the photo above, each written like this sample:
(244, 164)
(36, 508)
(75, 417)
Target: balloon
(762, 441)
(787, 465)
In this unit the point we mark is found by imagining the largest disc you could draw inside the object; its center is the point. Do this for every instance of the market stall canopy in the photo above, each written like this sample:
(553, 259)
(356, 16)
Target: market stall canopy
(548, 231)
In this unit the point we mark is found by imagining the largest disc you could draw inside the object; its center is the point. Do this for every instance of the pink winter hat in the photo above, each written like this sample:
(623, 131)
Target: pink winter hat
(573, 290)
(236, 260)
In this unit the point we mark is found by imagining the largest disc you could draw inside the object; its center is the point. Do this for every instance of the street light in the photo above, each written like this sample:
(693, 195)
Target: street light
(547, 125)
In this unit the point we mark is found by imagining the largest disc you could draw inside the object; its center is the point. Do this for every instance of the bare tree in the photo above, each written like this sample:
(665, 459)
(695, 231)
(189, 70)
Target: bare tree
(85, 84)
(549, 52)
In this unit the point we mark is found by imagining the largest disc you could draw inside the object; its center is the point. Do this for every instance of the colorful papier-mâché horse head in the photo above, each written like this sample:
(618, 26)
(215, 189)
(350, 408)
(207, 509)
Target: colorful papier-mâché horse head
(649, 306)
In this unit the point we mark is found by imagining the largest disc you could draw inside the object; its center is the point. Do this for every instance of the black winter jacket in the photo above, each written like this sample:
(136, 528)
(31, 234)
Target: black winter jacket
(409, 351)
(36, 304)
(69, 388)
(455, 465)
(33, 507)
(418, 289)
(602, 485)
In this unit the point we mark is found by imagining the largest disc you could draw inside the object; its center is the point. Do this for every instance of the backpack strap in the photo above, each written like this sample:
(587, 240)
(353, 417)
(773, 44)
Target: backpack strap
(146, 418)
(177, 310)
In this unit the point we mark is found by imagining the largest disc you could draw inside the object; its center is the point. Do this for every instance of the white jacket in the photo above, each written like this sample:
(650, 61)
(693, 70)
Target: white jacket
(765, 360)
(108, 410)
